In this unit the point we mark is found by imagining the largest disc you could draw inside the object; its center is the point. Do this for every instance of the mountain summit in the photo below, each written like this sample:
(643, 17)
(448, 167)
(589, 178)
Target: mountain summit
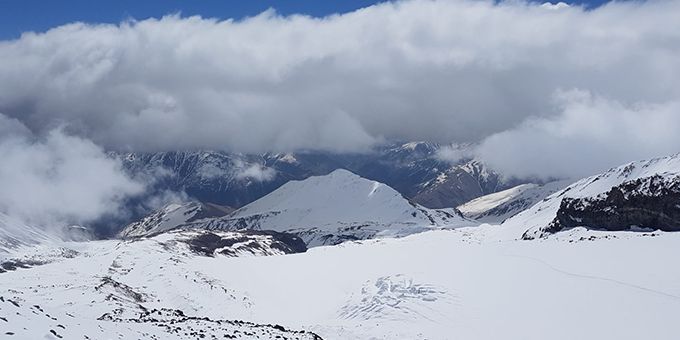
(330, 209)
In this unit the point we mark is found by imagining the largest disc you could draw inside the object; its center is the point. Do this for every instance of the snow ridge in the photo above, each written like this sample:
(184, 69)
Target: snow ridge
(334, 208)
(322, 210)
(533, 221)
(499, 206)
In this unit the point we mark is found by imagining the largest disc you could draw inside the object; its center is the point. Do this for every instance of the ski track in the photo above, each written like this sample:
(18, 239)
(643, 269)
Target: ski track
(594, 277)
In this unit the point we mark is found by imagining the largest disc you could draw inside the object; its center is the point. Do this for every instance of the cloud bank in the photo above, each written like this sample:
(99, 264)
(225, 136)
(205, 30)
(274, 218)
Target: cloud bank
(256, 172)
(448, 71)
(589, 135)
(58, 179)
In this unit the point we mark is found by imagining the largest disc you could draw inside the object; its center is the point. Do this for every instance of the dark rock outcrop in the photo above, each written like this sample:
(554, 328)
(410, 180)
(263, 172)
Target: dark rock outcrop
(254, 241)
(650, 202)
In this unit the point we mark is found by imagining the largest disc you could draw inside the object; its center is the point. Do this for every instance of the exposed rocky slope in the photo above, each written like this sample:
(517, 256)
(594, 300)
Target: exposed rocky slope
(649, 202)
(637, 194)
(238, 243)
(458, 184)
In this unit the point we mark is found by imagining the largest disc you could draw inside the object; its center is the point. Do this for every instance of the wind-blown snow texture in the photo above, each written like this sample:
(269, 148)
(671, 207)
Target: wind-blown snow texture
(110, 289)
(449, 284)
(14, 233)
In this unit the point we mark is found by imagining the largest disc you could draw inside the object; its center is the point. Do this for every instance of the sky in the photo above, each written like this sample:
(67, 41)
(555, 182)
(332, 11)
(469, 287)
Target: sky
(36, 15)
(535, 90)
(18, 16)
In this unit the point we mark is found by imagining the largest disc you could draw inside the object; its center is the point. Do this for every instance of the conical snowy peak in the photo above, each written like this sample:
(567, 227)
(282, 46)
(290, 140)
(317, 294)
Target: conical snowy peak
(321, 210)
(337, 207)
(340, 196)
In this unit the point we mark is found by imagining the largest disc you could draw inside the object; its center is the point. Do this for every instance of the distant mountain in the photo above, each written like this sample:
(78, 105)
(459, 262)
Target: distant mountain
(404, 167)
(234, 180)
(459, 184)
(496, 207)
(223, 180)
(321, 210)
(642, 194)
(214, 177)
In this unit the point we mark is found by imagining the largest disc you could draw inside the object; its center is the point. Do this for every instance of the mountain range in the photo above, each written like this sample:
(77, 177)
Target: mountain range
(233, 179)
(339, 255)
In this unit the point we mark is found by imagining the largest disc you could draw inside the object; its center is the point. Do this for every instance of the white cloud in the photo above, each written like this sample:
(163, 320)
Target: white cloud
(589, 135)
(256, 172)
(162, 198)
(211, 171)
(59, 179)
(555, 6)
(448, 71)
(455, 153)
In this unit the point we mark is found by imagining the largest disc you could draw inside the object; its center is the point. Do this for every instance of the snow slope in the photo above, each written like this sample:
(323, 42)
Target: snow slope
(333, 208)
(14, 233)
(117, 289)
(534, 221)
(496, 207)
(445, 284)
(171, 217)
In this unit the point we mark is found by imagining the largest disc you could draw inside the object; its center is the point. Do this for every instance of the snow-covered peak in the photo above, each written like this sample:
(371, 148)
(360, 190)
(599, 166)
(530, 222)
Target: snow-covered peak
(410, 151)
(666, 167)
(336, 207)
(286, 158)
(537, 218)
(340, 196)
